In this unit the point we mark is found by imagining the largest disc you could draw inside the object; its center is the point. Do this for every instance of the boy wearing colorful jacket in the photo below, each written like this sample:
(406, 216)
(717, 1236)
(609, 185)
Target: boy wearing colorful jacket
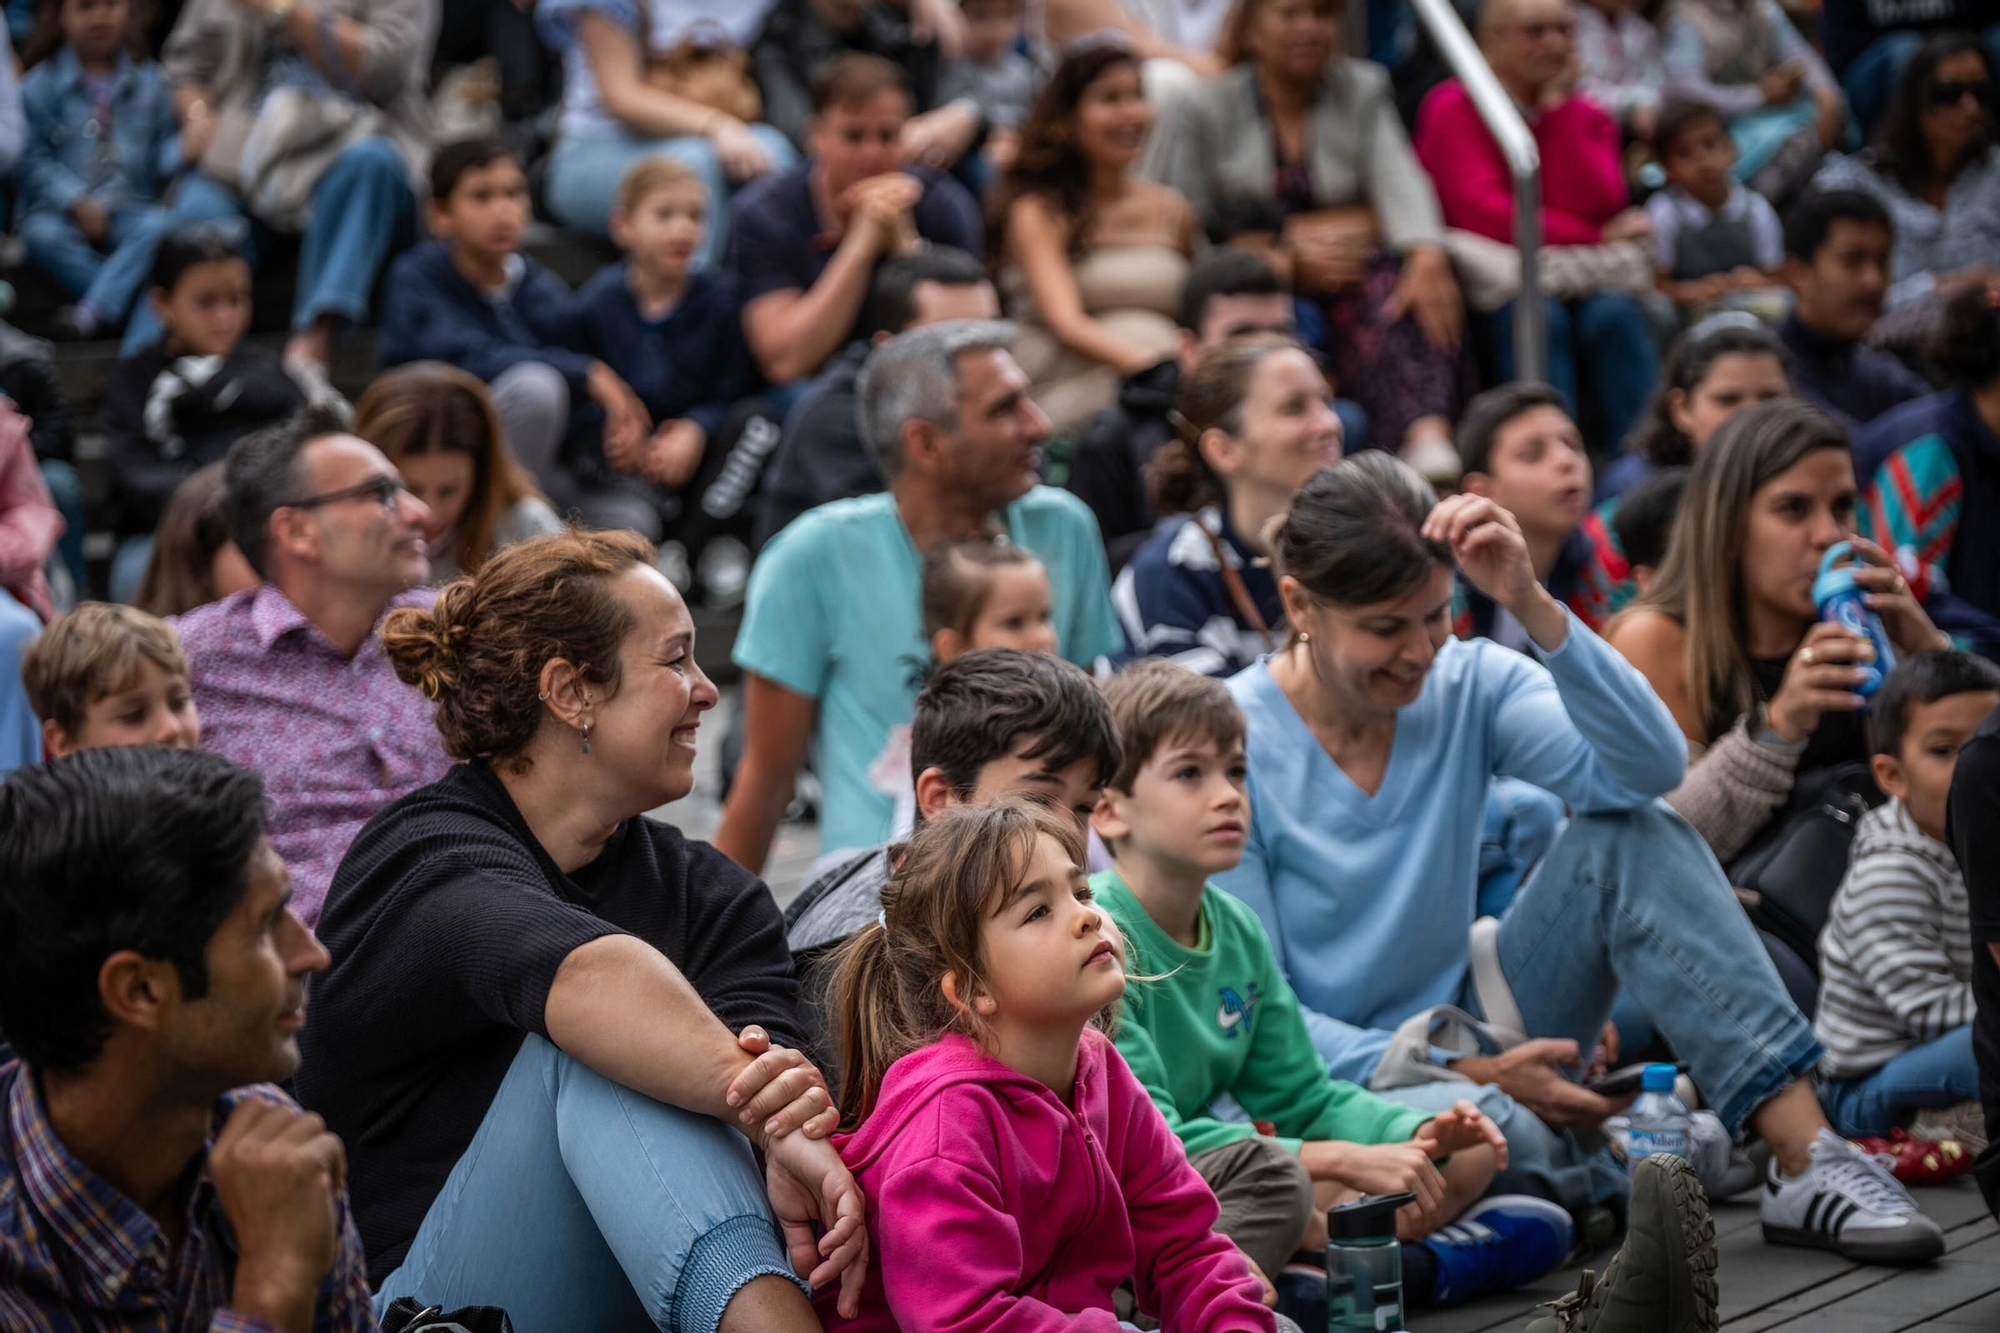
(1275, 1137)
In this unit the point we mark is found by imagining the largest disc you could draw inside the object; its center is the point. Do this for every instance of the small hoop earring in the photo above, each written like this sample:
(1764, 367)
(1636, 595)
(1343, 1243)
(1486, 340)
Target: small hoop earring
(586, 738)
(543, 697)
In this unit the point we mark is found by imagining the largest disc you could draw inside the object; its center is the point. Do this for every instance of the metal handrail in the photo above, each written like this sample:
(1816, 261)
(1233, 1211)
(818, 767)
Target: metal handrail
(1524, 163)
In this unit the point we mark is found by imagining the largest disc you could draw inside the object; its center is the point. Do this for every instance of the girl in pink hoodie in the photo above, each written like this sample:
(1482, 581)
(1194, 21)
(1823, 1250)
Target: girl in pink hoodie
(1016, 1172)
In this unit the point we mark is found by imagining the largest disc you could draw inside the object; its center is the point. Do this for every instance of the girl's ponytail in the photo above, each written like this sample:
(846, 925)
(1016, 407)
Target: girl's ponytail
(888, 997)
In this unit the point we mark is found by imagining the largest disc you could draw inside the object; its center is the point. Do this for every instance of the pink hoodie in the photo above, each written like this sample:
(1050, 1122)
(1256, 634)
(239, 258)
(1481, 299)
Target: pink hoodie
(996, 1208)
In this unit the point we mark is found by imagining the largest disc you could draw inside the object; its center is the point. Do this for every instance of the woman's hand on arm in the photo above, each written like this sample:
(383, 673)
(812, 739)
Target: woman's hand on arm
(1428, 292)
(617, 64)
(1486, 542)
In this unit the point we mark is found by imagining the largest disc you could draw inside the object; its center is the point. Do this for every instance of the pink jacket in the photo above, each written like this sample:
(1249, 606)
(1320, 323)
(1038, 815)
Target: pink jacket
(30, 523)
(996, 1208)
(1583, 184)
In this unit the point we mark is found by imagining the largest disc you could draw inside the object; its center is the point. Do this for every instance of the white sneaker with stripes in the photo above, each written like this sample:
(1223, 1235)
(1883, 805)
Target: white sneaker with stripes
(1849, 1203)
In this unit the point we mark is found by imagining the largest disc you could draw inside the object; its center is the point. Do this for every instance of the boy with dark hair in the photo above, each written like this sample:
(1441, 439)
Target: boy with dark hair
(1644, 522)
(995, 722)
(1715, 237)
(470, 298)
(152, 980)
(1522, 450)
(1896, 995)
(1837, 245)
(105, 674)
(1174, 814)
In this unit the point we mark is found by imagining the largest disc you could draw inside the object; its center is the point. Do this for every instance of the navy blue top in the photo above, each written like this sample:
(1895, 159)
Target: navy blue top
(431, 313)
(777, 241)
(692, 362)
(1853, 381)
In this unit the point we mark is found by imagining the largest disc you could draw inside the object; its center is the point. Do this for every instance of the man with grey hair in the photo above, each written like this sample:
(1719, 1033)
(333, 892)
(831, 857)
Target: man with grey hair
(832, 644)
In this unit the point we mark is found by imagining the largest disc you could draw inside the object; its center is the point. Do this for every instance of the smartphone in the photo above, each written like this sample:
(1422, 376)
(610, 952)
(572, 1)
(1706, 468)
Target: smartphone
(1622, 1082)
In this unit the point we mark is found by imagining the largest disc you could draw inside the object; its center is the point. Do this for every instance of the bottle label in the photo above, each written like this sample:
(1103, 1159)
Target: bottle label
(1644, 1142)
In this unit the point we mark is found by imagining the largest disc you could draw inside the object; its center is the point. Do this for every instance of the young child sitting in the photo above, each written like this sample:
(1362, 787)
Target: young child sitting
(1896, 998)
(472, 299)
(1522, 450)
(993, 72)
(976, 594)
(1015, 1171)
(1717, 240)
(1219, 1021)
(177, 404)
(676, 336)
(104, 675)
(102, 146)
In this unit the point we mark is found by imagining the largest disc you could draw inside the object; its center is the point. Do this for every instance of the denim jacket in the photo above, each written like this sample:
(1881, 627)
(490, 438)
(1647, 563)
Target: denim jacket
(62, 159)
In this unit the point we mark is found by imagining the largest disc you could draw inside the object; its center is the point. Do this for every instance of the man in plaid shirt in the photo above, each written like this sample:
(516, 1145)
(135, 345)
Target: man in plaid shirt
(152, 981)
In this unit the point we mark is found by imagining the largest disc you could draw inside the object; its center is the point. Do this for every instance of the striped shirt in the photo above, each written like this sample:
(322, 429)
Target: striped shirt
(76, 1256)
(1896, 957)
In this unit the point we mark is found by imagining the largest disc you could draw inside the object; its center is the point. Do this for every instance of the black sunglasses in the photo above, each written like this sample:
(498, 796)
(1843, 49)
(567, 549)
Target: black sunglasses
(1950, 92)
(385, 490)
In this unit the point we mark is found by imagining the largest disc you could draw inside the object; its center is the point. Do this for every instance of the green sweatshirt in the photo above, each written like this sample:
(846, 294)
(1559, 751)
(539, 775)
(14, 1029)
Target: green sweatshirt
(1224, 1019)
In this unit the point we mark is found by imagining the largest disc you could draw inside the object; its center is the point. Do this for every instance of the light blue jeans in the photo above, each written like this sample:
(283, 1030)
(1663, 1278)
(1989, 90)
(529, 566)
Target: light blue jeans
(581, 1204)
(1941, 1072)
(584, 171)
(20, 729)
(1602, 340)
(362, 212)
(1634, 900)
(65, 485)
(107, 283)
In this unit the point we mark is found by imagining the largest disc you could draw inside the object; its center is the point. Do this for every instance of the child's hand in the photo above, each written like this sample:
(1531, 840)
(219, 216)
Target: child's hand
(625, 420)
(1390, 1168)
(780, 1088)
(1461, 1129)
(91, 219)
(674, 453)
(1781, 83)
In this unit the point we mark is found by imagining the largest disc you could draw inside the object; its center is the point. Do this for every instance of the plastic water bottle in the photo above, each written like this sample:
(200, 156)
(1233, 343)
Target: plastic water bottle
(1842, 600)
(1364, 1265)
(1659, 1122)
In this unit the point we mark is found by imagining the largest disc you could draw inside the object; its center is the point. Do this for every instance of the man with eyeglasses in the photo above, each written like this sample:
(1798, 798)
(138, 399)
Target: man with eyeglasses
(290, 676)
(804, 244)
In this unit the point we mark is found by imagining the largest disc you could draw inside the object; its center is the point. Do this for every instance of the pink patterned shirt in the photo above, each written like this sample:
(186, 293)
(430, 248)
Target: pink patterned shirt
(334, 738)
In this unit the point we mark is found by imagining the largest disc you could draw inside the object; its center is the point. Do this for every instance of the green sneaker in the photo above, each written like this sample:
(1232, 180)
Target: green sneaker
(1663, 1280)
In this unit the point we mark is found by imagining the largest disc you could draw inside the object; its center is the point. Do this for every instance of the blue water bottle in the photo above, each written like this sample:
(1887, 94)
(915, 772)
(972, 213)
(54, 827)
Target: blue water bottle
(1841, 600)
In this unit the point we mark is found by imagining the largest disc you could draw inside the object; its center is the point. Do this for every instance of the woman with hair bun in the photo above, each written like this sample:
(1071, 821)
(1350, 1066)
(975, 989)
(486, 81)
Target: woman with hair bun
(1255, 420)
(1373, 735)
(556, 1028)
(1930, 474)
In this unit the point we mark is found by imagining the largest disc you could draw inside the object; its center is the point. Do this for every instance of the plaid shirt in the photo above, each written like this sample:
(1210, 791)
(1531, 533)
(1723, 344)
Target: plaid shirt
(76, 1256)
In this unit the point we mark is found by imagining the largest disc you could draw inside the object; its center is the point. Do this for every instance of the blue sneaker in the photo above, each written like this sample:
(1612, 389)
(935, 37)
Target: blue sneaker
(1498, 1244)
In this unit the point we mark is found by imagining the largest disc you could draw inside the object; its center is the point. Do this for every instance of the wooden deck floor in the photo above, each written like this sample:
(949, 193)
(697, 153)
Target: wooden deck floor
(1809, 1291)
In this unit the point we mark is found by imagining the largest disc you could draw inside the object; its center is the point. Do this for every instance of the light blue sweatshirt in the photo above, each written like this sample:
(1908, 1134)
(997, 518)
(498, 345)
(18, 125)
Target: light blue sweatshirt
(1369, 900)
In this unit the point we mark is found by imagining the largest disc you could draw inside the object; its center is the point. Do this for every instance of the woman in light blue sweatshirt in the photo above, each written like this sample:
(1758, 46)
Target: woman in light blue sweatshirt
(1372, 737)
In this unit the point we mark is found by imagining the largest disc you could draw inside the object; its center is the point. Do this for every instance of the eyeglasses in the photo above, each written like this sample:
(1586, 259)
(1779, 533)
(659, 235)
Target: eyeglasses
(384, 489)
(1950, 92)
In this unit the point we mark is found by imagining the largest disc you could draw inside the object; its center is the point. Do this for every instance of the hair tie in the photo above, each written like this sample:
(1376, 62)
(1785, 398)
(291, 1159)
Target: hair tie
(1725, 319)
(882, 917)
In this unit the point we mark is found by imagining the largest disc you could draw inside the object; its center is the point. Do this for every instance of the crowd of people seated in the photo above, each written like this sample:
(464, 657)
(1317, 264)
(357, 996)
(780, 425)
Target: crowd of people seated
(1262, 751)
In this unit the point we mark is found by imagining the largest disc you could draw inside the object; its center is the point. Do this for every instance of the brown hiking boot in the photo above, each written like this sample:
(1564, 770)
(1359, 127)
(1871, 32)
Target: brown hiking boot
(1663, 1280)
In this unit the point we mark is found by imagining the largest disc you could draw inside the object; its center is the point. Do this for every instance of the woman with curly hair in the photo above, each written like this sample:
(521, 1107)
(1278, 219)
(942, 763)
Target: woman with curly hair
(1091, 258)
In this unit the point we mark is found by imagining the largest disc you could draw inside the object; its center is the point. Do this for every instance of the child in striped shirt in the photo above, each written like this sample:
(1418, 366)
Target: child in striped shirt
(1895, 1007)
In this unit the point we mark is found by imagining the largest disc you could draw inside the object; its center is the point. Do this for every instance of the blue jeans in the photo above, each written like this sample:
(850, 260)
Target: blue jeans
(128, 567)
(581, 1204)
(1870, 77)
(1635, 900)
(20, 729)
(106, 283)
(65, 485)
(1605, 336)
(1941, 1072)
(362, 212)
(584, 171)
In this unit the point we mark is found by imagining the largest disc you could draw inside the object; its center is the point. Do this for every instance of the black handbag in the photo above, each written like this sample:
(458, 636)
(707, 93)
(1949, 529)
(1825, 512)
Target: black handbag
(1789, 873)
(406, 1316)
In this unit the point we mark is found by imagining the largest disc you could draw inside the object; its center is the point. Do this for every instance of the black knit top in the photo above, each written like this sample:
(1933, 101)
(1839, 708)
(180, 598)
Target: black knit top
(447, 922)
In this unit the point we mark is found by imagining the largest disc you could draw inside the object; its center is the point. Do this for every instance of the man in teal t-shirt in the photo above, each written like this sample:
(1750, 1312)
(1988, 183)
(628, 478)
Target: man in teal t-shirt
(1174, 814)
(832, 639)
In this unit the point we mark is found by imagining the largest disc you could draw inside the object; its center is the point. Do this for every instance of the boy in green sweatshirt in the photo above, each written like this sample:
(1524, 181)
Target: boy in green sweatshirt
(1220, 1024)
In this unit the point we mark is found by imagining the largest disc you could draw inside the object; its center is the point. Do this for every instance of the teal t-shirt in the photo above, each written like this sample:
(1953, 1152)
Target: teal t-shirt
(834, 614)
(1232, 1025)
